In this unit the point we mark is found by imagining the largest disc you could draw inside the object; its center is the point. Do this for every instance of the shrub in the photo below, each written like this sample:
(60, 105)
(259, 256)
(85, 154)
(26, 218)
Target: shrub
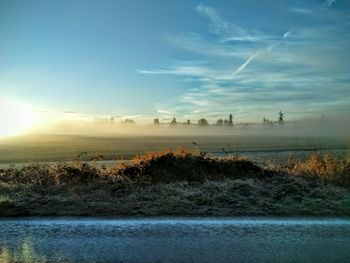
(182, 165)
(329, 168)
(76, 172)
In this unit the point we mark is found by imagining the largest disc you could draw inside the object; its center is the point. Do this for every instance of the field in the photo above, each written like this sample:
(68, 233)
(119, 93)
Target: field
(178, 183)
(206, 175)
(53, 148)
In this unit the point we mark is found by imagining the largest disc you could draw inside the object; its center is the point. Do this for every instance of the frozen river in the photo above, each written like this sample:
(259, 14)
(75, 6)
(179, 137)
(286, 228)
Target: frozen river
(175, 240)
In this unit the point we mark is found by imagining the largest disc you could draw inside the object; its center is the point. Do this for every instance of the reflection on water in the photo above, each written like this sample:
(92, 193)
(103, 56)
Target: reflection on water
(24, 253)
(175, 240)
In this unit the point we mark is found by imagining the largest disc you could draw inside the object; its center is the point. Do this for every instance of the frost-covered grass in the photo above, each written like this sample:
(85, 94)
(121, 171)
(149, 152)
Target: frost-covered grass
(179, 183)
(53, 148)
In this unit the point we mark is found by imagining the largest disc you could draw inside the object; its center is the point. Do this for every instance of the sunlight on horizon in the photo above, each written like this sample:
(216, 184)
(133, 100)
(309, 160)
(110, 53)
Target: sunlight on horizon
(15, 117)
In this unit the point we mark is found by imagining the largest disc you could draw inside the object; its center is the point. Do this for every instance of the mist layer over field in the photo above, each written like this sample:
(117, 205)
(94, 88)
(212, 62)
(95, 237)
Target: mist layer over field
(320, 127)
(64, 141)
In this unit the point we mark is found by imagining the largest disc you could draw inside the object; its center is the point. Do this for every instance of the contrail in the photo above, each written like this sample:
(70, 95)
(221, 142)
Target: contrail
(286, 35)
(329, 3)
(256, 54)
(247, 62)
(251, 58)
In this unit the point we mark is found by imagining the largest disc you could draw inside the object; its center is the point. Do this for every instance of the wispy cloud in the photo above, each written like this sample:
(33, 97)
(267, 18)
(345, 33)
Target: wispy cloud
(257, 53)
(219, 25)
(317, 11)
(228, 31)
(197, 44)
(329, 3)
(179, 70)
(300, 10)
(287, 34)
(250, 59)
(281, 68)
(246, 63)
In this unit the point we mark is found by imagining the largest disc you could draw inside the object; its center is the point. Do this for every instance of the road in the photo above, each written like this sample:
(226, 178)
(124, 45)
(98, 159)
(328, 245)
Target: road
(175, 240)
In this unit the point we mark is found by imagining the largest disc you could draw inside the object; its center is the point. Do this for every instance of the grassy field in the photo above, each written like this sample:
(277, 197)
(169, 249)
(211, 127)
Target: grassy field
(179, 183)
(46, 148)
(187, 182)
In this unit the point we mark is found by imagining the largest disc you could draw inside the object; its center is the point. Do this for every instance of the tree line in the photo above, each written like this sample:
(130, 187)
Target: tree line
(201, 122)
(221, 122)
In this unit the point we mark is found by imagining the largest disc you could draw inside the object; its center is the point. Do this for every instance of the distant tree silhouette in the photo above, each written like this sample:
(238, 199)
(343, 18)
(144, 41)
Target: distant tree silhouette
(230, 120)
(156, 121)
(173, 122)
(226, 121)
(203, 122)
(280, 117)
(128, 121)
(111, 119)
(219, 122)
(188, 122)
(267, 121)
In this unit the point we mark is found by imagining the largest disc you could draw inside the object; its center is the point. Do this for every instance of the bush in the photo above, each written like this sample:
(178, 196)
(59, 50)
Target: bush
(182, 165)
(174, 166)
(77, 172)
(177, 183)
(328, 168)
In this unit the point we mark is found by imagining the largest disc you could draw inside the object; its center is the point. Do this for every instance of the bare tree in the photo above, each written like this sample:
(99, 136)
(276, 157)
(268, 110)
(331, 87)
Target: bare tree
(128, 121)
(156, 121)
(203, 122)
(173, 122)
(280, 117)
(230, 120)
(267, 121)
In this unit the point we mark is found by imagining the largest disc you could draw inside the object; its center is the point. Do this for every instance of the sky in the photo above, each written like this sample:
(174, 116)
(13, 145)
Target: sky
(188, 59)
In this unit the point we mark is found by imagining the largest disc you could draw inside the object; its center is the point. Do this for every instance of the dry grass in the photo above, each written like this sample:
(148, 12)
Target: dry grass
(46, 148)
(178, 182)
(328, 168)
(183, 165)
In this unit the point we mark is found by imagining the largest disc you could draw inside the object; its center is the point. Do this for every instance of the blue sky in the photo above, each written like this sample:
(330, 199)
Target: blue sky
(184, 58)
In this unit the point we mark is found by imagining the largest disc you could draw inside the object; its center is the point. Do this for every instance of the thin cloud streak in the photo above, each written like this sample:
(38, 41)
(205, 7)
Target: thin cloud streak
(246, 63)
(251, 58)
(295, 73)
(218, 24)
(287, 34)
(329, 3)
(179, 70)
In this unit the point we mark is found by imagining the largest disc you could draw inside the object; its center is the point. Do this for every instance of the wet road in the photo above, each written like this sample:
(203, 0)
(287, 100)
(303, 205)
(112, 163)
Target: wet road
(175, 240)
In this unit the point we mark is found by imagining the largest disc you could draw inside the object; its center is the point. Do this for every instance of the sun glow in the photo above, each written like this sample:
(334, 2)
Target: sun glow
(15, 117)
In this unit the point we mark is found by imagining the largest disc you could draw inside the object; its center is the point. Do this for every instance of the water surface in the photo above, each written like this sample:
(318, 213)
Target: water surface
(175, 240)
